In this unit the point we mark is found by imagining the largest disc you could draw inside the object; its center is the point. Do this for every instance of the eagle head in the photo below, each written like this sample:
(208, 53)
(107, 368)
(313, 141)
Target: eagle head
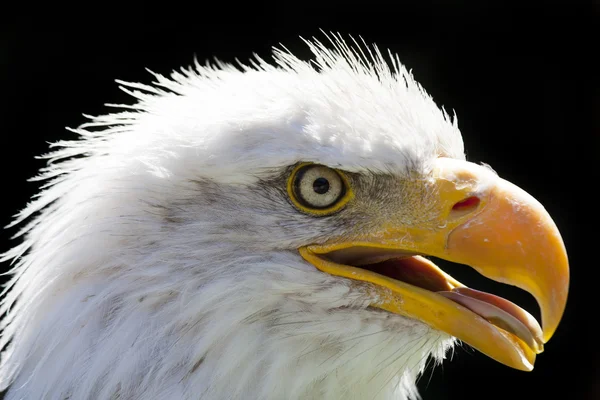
(263, 232)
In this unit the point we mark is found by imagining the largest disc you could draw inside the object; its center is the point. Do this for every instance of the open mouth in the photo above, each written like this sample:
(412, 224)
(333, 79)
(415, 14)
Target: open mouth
(400, 272)
(420, 272)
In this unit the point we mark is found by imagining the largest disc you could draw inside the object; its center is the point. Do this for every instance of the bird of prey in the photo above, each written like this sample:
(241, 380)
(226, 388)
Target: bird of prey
(266, 231)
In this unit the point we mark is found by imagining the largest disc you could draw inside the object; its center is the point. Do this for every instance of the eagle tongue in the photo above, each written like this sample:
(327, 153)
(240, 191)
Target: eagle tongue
(500, 312)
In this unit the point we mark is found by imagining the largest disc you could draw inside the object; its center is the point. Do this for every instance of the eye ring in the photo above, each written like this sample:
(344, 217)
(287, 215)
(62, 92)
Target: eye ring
(317, 189)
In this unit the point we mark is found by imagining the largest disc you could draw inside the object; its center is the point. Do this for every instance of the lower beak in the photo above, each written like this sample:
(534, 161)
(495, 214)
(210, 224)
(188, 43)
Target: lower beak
(482, 221)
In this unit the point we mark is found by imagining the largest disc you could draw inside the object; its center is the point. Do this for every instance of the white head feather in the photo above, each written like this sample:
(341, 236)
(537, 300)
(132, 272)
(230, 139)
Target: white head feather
(160, 262)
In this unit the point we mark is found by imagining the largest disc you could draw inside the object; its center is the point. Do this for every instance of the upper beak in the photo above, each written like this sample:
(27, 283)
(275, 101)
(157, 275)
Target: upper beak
(511, 239)
(482, 221)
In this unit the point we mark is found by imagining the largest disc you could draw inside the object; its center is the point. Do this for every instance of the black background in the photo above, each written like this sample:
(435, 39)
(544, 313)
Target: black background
(522, 80)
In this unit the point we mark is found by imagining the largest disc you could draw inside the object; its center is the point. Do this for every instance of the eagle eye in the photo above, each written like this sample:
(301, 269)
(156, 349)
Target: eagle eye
(317, 189)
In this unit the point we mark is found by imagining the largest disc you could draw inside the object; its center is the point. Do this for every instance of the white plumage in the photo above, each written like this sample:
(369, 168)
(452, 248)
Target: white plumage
(159, 260)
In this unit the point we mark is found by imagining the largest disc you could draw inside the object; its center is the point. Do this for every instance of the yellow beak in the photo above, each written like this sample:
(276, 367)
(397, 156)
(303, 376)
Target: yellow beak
(482, 221)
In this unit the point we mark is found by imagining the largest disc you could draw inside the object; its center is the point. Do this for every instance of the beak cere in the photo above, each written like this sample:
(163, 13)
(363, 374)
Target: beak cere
(484, 222)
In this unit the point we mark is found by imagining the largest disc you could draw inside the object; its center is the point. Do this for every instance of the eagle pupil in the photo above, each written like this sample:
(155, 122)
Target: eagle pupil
(321, 185)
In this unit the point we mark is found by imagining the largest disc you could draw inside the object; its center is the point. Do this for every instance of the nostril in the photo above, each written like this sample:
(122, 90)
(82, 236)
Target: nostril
(465, 206)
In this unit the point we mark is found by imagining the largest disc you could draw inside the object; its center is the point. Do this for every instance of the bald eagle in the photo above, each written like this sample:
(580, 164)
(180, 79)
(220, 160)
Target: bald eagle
(264, 231)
